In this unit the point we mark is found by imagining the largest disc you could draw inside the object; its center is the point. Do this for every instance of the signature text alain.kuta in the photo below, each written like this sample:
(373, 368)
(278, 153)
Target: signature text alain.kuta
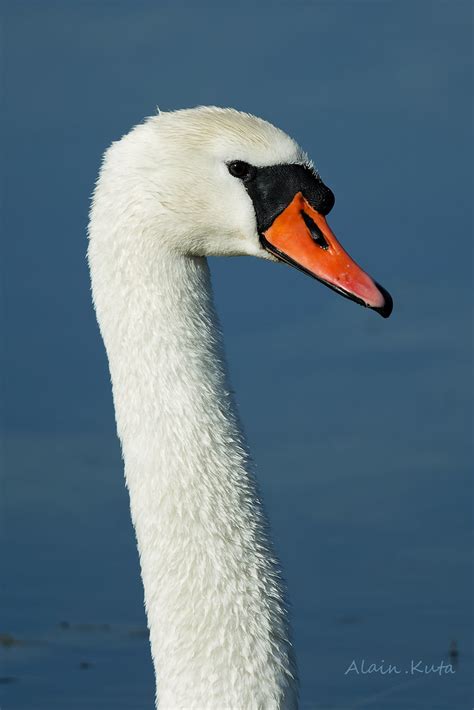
(414, 667)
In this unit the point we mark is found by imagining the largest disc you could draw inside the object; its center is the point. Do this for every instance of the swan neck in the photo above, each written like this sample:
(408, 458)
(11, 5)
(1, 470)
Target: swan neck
(213, 592)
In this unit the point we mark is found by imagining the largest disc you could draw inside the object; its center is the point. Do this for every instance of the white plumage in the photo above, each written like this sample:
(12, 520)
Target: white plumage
(214, 599)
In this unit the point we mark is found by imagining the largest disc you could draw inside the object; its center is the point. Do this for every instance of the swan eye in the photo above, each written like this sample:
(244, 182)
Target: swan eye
(239, 169)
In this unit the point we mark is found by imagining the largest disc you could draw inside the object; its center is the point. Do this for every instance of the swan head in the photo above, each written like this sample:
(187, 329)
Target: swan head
(218, 182)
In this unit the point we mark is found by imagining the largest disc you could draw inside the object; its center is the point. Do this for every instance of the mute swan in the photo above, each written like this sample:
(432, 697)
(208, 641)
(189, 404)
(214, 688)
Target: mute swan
(179, 187)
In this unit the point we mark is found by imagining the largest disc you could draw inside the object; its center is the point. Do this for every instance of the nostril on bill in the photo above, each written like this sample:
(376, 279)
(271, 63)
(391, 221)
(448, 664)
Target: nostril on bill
(316, 235)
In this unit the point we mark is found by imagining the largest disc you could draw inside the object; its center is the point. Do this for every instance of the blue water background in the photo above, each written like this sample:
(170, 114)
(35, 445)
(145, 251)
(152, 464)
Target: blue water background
(360, 428)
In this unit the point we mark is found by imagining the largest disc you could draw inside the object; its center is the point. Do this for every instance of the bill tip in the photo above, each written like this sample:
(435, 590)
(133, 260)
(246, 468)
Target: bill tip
(386, 310)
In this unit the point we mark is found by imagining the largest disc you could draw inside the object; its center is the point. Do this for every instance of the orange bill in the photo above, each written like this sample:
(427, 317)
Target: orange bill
(301, 236)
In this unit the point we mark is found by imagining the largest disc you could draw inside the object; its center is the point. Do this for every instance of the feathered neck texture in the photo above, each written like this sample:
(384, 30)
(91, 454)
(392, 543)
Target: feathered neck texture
(213, 595)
